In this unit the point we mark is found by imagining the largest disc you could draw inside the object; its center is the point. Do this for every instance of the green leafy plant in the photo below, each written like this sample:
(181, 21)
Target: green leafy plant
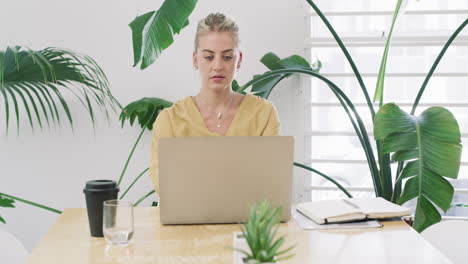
(431, 144)
(145, 111)
(6, 202)
(393, 129)
(36, 81)
(260, 233)
(154, 31)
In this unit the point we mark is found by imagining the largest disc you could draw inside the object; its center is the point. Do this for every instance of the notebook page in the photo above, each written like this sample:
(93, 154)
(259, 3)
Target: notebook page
(333, 210)
(305, 223)
(379, 207)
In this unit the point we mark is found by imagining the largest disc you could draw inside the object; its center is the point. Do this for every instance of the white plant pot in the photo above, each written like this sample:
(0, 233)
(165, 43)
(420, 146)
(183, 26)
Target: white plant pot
(239, 242)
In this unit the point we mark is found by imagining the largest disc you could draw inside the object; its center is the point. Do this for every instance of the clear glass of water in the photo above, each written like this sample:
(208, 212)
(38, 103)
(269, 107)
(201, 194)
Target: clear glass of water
(117, 222)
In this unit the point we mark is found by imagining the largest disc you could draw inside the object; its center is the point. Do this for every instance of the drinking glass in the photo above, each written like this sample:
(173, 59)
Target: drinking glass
(117, 222)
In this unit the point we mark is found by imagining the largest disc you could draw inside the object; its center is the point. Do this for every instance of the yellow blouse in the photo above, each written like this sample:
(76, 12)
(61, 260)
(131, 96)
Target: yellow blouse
(255, 117)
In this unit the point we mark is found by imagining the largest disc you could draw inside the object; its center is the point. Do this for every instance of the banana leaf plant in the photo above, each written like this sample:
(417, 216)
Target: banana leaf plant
(427, 147)
(33, 83)
(154, 31)
(430, 146)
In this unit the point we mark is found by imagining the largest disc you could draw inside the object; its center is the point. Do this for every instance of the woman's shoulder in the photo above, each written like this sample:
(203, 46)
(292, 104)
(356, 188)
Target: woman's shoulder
(179, 108)
(257, 102)
(171, 116)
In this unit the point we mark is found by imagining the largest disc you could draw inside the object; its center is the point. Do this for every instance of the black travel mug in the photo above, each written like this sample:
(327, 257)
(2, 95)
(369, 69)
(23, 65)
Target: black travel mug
(96, 192)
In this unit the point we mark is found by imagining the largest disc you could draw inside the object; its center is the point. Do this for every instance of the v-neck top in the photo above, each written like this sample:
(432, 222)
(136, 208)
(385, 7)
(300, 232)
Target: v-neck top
(255, 117)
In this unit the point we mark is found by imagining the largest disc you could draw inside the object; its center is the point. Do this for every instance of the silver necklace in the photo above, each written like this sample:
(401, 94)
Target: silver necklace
(219, 115)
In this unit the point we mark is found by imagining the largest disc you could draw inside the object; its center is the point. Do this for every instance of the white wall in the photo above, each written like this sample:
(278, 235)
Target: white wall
(52, 167)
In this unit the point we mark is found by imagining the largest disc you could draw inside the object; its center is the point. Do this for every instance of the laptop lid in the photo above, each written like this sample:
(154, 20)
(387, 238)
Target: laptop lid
(216, 179)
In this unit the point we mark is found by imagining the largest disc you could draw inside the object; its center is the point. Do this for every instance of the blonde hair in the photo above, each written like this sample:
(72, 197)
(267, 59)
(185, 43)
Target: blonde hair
(217, 22)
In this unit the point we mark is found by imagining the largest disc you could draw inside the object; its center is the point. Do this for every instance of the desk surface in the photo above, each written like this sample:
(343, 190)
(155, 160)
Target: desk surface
(68, 241)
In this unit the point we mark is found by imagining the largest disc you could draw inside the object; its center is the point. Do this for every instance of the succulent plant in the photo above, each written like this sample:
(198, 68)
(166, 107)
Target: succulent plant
(260, 234)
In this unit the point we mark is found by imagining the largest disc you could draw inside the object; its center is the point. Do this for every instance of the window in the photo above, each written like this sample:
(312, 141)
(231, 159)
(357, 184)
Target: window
(419, 36)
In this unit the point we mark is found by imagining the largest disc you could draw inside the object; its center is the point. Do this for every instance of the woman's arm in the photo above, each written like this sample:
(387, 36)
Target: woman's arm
(273, 126)
(162, 128)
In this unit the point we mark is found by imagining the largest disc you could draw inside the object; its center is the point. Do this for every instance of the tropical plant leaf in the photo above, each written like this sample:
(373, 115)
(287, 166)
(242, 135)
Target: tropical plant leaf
(6, 202)
(154, 31)
(34, 81)
(431, 142)
(378, 96)
(137, 26)
(145, 110)
(236, 87)
(273, 62)
(263, 88)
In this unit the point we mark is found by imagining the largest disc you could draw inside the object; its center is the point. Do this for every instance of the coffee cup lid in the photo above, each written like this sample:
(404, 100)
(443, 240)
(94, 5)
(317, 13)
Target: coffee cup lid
(100, 185)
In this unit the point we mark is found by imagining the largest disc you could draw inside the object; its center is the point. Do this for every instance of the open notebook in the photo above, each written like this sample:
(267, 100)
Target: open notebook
(351, 209)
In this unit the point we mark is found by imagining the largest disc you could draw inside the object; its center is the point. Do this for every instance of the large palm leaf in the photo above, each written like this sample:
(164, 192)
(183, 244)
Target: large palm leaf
(154, 31)
(36, 80)
(431, 144)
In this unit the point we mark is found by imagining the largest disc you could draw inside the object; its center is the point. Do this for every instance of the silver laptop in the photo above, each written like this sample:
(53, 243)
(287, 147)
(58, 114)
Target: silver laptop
(216, 179)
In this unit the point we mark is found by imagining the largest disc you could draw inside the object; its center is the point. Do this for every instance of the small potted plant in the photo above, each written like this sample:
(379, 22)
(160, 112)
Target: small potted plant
(259, 233)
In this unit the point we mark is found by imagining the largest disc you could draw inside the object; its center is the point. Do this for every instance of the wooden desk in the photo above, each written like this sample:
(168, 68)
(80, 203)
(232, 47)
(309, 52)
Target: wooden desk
(69, 242)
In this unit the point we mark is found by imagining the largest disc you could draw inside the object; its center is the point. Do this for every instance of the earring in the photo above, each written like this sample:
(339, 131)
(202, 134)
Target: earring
(195, 68)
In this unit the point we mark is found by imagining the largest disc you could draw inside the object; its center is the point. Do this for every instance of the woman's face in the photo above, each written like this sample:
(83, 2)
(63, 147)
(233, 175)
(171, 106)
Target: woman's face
(217, 59)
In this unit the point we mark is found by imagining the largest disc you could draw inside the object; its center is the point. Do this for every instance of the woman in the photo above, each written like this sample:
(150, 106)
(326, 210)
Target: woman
(216, 110)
